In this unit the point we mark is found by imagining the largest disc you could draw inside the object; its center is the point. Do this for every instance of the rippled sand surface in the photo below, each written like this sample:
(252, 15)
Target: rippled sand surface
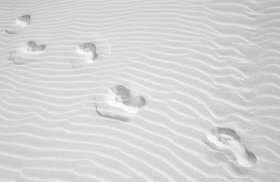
(202, 97)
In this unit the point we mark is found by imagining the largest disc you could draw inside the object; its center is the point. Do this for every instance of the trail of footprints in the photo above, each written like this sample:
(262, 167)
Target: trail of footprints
(87, 49)
(117, 97)
(120, 97)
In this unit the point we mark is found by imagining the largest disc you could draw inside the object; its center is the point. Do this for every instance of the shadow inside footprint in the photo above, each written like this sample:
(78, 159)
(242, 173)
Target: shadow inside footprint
(229, 142)
(20, 23)
(23, 20)
(119, 104)
(88, 49)
(32, 46)
(107, 114)
(29, 51)
(120, 96)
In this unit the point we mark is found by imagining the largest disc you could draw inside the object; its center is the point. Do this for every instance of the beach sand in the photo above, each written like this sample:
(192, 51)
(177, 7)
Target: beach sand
(199, 98)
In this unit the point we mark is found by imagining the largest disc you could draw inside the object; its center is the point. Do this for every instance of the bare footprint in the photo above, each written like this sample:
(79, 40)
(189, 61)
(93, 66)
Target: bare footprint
(20, 23)
(119, 103)
(17, 61)
(32, 46)
(229, 142)
(88, 49)
(91, 47)
(26, 53)
(120, 96)
(23, 20)
(109, 115)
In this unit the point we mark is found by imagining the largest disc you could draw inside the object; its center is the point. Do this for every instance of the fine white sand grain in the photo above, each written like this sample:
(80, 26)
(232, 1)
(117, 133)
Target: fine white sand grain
(208, 70)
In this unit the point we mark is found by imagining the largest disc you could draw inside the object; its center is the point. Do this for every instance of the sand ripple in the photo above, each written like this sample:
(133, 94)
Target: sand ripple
(199, 65)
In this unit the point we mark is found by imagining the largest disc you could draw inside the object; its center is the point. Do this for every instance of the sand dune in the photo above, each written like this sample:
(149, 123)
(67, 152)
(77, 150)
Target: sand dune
(203, 81)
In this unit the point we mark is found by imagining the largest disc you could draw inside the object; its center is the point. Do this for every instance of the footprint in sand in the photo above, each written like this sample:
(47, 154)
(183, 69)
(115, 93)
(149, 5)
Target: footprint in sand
(120, 96)
(88, 50)
(26, 53)
(120, 104)
(32, 46)
(229, 142)
(20, 23)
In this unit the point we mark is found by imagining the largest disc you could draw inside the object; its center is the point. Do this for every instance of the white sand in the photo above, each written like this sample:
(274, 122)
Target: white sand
(198, 64)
